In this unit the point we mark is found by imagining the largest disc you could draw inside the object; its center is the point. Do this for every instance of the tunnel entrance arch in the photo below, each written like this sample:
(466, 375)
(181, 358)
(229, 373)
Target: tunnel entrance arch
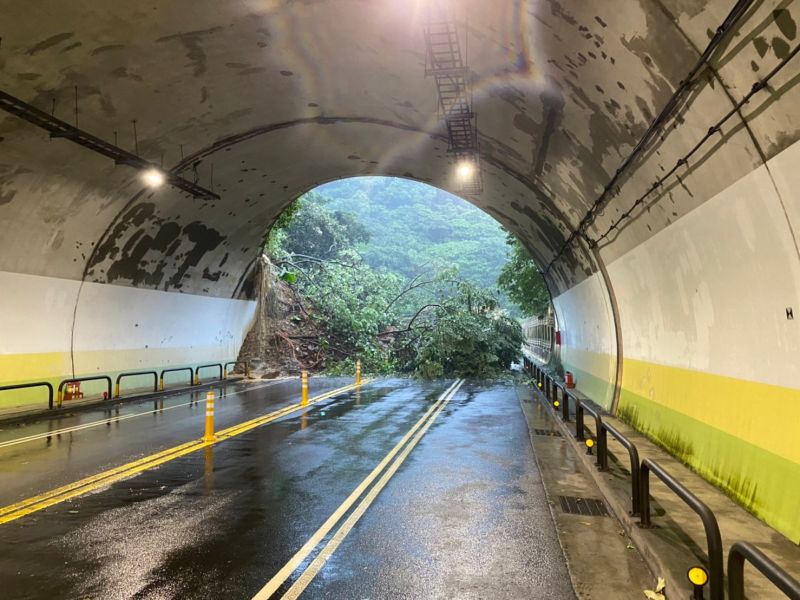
(438, 230)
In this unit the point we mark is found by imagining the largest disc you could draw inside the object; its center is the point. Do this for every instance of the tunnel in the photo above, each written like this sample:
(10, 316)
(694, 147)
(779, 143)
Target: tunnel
(645, 152)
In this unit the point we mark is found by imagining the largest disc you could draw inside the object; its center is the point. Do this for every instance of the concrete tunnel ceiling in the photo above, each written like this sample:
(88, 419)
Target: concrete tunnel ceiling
(275, 98)
(690, 293)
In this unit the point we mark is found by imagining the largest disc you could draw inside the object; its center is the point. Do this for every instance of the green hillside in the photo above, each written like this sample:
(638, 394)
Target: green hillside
(414, 226)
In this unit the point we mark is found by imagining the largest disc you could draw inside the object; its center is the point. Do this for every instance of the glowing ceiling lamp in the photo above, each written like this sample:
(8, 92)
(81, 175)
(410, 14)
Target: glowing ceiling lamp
(465, 170)
(153, 178)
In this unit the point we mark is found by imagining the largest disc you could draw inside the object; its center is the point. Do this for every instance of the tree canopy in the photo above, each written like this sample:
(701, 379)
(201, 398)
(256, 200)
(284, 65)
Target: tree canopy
(521, 280)
(405, 276)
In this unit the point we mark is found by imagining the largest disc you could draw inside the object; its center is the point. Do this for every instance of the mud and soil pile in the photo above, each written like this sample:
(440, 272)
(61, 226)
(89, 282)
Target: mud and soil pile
(283, 339)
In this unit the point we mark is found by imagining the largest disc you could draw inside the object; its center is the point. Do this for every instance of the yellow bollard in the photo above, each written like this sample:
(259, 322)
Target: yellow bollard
(209, 436)
(162, 384)
(59, 399)
(116, 390)
(196, 379)
(304, 388)
(225, 373)
(358, 372)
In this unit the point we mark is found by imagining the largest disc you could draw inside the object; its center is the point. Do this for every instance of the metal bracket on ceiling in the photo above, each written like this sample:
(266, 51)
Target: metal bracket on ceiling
(60, 129)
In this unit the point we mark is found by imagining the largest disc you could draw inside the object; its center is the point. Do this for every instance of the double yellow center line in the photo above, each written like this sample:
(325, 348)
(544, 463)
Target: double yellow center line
(106, 478)
(399, 453)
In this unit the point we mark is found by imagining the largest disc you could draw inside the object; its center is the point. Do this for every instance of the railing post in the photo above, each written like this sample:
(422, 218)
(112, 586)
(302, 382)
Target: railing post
(735, 573)
(741, 551)
(644, 495)
(602, 450)
(579, 420)
(636, 487)
(710, 525)
(564, 405)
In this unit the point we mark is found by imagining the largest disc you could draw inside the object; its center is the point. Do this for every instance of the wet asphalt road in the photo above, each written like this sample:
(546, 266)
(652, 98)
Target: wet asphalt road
(464, 517)
(29, 468)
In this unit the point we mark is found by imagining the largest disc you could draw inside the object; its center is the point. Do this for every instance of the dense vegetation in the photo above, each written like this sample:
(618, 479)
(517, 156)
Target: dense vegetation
(521, 280)
(414, 226)
(405, 277)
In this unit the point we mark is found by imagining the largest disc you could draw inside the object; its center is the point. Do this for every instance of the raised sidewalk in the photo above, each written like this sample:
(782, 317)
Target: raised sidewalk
(676, 541)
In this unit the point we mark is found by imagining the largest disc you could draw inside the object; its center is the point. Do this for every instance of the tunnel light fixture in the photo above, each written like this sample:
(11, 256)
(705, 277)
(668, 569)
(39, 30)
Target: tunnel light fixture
(465, 170)
(153, 178)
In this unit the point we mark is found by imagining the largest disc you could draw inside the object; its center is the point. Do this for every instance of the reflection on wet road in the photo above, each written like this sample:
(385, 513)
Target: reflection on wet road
(463, 517)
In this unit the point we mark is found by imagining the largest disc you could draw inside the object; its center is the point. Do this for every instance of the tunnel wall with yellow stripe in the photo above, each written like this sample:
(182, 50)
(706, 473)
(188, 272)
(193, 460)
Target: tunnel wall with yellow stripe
(56, 328)
(711, 360)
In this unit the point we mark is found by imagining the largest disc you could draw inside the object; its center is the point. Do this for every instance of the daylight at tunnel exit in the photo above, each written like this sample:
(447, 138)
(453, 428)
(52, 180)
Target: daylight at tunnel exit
(400, 299)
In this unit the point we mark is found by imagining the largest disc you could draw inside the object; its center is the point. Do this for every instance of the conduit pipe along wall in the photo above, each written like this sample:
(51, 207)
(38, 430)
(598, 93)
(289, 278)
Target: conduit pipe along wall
(100, 274)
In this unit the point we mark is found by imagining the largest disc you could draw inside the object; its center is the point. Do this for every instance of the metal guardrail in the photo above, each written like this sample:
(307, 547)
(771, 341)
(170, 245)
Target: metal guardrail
(158, 381)
(640, 500)
(713, 537)
(22, 386)
(564, 399)
(210, 366)
(177, 370)
(234, 363)
(741, 552)
(602, 431)
(135, 374)
(602, 450)
(633, 454)
(61, 385)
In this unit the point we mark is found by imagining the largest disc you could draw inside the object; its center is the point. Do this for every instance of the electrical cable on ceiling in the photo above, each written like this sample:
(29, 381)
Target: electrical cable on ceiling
(656, 126)
(716, 128)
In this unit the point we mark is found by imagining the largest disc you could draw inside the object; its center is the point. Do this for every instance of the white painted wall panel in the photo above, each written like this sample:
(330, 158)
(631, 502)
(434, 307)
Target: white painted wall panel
(584, 317)
(116, 328)
(710, 292)
(35, 313)
(125, 317)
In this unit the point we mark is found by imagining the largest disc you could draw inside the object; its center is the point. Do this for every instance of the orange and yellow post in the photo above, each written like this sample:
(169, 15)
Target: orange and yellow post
(209, 435)
(304, 388)
(358, 372)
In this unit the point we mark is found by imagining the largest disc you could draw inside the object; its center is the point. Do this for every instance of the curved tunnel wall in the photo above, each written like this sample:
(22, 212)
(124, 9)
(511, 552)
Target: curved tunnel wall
(57, 328)
(262, 101)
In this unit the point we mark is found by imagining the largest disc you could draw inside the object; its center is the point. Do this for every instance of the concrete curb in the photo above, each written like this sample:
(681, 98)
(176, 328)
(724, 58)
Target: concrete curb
(551, 503)
(620, 510)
